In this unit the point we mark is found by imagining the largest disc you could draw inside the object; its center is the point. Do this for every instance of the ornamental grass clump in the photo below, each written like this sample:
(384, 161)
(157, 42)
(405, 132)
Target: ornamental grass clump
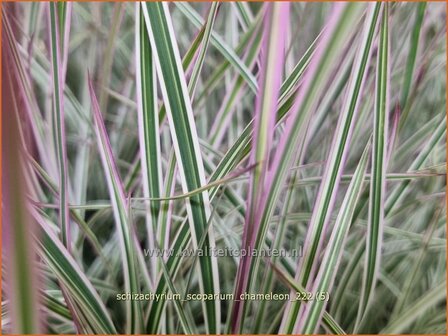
(224, 168)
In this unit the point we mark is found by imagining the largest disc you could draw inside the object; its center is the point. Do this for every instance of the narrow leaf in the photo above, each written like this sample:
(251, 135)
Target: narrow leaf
(333, 252)
(19, 249)
(265, 114)
(336, 156)
(186, 144)
(58, 108)
(74, 280)
(120, 208)
(377, 182)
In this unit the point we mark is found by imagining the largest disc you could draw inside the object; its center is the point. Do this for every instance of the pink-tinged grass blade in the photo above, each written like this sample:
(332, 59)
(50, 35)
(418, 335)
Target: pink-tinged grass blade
(273, 51)
(18, 254)
(120, 209)
(31, 108)
(316, 75)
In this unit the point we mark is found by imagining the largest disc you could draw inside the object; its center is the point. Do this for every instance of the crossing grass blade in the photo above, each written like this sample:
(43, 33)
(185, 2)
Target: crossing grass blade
(219, 43)
(409, 285)
(186, 145)
(314, 83)
(120, 207)
(377, 183)
(338, 151)
(220, 125)
(242, 145)
(430, 299)
(328, 321)
(208, 27)
(213, 81)
(182, 85)
(399, 192)
(93, 311)
(333, 252)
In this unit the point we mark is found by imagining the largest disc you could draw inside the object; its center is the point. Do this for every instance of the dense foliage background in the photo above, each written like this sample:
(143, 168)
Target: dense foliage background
(134, 128)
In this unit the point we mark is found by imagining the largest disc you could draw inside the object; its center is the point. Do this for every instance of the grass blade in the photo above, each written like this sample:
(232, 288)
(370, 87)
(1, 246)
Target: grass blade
(328, 321)
(315, 77)
(337, 153)
(148, 119)
(400, 191)
(433, 297)
(219, 43)
(204, 45)
(271, 75)
(333, 252)
(58, 107)
(410, 62)
(377, 183)
(120, 207)
(74, 281)
(64, 14)
(19, 250)
(186, 145)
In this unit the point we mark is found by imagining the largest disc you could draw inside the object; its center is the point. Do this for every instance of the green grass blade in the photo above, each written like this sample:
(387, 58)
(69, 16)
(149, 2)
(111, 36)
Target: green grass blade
(328, 321)
(204, 45)
(430, 299)
(377, 183)
(121, 216)
(64, 10)
(19, 250)
(186, 145)
(245, 13)
(401, 190)
(219, 43)
(74, 280)
(410, 62)
(149, 132)
(338, 151)
(58, 107)
(333, 252)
